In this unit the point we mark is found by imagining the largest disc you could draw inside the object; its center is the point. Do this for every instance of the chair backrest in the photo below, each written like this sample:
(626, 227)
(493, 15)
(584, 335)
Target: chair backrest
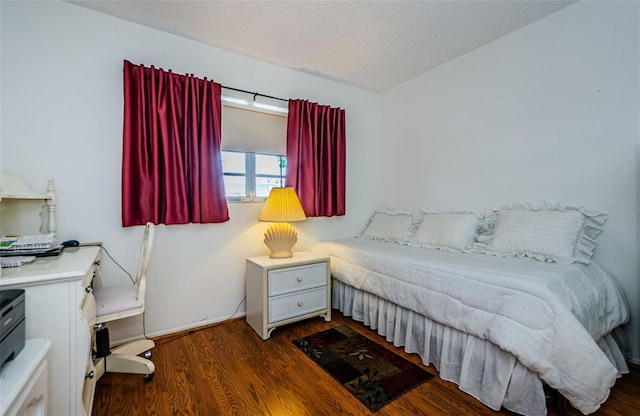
(145, 258)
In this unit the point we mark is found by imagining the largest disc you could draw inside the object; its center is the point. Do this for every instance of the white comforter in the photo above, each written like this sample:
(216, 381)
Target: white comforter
(547, 315)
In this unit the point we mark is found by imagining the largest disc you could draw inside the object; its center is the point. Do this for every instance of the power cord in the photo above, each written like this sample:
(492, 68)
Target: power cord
(167, 339)
(144, 327)
(118, 264)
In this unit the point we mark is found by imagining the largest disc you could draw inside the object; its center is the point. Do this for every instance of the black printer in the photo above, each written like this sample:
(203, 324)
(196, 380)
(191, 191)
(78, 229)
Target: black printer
(12, 323)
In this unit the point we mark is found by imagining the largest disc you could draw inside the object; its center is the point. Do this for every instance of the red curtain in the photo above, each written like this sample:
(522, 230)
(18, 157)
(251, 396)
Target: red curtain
(171, 160)
(316, 162)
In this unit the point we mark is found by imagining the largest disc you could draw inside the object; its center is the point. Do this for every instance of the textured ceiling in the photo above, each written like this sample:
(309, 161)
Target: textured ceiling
(373, 45)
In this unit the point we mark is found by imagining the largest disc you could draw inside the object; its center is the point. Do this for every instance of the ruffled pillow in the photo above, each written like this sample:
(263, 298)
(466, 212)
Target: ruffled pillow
(449, 231)
(546, 232)
(385, 225)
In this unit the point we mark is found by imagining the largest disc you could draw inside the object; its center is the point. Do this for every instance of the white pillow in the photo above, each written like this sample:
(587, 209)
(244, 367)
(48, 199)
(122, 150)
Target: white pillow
(389, 226)
(549, 233)
(445, 230)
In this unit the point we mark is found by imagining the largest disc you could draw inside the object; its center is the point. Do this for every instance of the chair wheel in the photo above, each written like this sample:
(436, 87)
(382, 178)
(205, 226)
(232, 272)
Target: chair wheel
(148, 377)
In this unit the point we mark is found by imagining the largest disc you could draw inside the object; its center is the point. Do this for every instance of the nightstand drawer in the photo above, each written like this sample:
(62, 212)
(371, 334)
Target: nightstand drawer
(292, 279)
(297, 304)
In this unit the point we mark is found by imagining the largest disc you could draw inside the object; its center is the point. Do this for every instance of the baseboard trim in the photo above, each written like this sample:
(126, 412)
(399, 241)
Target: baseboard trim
(182, 330)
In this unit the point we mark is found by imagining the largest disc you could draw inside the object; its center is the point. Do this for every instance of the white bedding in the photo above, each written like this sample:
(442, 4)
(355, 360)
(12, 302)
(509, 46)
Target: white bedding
(549, 316)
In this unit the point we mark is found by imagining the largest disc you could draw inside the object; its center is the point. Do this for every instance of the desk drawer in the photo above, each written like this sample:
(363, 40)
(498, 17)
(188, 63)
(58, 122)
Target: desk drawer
(292, 279)
(87, 280)
(85, 361)
(297, 304)
(89, 309)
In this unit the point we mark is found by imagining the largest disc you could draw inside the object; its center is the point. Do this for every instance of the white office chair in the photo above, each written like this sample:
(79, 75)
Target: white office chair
(119, 302)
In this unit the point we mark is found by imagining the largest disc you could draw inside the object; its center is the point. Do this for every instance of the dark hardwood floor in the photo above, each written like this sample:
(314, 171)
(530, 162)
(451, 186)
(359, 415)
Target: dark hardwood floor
(228, 370)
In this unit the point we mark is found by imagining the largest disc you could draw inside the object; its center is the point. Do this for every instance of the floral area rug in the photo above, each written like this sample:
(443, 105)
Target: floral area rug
(372, 373)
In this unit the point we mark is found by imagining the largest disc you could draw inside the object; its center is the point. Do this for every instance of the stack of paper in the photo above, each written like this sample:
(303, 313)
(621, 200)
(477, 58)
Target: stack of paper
(39, 244)
(28, 242)
(16, 261)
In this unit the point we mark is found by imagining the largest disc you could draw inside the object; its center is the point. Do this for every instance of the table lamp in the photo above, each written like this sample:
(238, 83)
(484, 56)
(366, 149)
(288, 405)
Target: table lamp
(281, 206)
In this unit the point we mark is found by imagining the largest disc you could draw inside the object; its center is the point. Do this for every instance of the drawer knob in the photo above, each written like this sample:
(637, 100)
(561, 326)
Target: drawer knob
(299, 279)
(300, 303)
(90, 375)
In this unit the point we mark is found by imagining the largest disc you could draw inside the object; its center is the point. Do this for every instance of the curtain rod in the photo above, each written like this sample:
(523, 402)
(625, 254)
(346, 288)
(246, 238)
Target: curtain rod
(255, 94)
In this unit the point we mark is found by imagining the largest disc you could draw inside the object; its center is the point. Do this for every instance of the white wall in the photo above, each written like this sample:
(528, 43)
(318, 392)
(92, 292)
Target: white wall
(62, 119)
(549, 112)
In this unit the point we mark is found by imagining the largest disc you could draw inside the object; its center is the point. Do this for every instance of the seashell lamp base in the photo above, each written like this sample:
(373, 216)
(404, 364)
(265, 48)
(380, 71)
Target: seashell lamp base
(280, 238)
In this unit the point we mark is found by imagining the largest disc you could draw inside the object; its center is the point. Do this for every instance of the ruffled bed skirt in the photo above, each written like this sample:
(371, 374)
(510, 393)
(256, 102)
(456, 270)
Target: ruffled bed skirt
(478, 367)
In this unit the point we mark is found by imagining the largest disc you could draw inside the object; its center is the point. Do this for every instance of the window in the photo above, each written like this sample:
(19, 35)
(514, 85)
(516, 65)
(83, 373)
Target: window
(253, 145)
(249, 176)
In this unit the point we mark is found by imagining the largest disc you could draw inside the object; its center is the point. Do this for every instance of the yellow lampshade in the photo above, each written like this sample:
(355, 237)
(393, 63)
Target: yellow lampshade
(281, 206)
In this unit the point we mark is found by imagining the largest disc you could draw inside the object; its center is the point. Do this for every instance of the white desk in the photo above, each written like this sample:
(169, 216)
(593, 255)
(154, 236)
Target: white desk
(23, 380)
(60, 307)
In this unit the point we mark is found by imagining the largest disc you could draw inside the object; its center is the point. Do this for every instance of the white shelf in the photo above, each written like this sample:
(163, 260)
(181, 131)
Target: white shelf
(25, 211)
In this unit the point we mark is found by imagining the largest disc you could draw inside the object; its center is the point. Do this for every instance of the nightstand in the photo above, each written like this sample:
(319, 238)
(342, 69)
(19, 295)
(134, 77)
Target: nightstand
(282, 291)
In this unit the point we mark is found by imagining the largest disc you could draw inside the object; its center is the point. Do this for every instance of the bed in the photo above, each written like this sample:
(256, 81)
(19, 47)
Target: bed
(499, 326)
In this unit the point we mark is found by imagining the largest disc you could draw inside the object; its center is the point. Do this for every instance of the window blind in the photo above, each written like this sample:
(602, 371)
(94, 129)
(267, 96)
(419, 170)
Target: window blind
(253, 131)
